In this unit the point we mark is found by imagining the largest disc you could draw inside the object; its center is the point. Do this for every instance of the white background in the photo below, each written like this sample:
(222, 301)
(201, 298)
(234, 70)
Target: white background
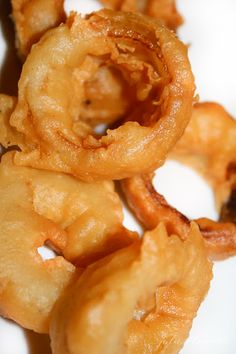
(210, 30)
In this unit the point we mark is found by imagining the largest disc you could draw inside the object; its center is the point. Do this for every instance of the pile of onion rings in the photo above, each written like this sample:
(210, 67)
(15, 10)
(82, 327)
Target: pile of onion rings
(112, 101)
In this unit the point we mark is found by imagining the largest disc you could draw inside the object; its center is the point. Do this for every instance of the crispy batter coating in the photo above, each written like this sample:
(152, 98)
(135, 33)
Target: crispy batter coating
(153, 64)
(93, 314)
(165, 328)
(164, 10)
(8, 135)
(209, 145)
(32, 18)
(29, 286)
(90, 215)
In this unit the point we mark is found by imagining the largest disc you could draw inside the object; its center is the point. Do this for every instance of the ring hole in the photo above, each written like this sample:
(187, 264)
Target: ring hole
(185, 190)
(46, 252)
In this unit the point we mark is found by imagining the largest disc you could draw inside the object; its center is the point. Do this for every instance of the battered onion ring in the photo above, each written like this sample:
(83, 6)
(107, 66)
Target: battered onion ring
(164, 10)
(94, 313)
(165, 328)
(90, 215)
(154, 64)
(32, 18)
(29, 286)
(208, 144)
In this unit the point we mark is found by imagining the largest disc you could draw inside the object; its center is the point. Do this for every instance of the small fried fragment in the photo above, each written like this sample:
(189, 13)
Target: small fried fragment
(8, 135)
(93, 314)
(32, 18)
(163, 10)
(52, 95)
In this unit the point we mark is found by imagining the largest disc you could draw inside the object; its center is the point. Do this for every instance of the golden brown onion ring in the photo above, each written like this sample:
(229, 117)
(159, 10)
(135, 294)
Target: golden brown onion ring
(154, 64)
(165, 327)
(209, 145)
(30, 286)
(32, 18)
(151, 208)
(148, 280)
(90, 215)
(164, 10)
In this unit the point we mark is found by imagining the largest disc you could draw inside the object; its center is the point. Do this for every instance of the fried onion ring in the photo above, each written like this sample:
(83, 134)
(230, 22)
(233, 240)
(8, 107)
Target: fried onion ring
(154, 65)
(209, 145)
(83, 319)
(29, 286)
(91, 232)
(94, 313)
(165, 328)
(164, 10)
(32, 18)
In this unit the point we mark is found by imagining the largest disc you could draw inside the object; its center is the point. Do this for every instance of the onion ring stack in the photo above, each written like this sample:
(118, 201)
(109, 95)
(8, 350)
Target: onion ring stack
(107, 97)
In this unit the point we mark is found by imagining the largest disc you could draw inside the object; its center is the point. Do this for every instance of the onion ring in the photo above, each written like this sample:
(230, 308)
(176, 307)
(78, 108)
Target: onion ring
(49, 119)
(209, 145)
(164, 10)
(29, 285)
(91, 232)
(165, 328)
(32, 18)
(83, 319)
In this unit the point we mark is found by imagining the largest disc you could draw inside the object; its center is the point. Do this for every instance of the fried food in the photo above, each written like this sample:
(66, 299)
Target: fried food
(93, 314)
(164, 10)
(209, 145)
(8, 135)
(165, 328)
(154, 66)
(90, 231)
(32, 18)
(30, 286)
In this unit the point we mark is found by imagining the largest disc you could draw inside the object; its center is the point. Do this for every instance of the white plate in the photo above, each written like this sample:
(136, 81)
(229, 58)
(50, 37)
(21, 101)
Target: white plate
(210, 29)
